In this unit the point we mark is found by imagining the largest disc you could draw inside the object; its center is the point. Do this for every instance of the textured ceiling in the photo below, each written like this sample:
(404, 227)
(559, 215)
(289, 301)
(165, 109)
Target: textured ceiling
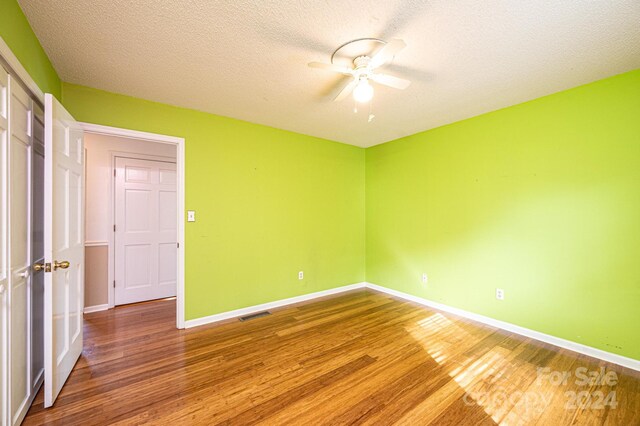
(248, 59)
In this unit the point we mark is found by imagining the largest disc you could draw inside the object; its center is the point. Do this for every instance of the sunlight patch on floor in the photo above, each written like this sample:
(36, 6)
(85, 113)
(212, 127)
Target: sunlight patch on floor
(484, 378)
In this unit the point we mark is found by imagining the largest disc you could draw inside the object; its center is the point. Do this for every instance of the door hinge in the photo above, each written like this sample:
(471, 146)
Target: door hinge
(114, 172)
(178, 244)
(29, 123)
(114, 228)
(114, 283)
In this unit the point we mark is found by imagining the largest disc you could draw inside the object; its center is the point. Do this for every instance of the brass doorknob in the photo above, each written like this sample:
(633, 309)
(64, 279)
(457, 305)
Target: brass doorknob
(42, 267)
(62, 265)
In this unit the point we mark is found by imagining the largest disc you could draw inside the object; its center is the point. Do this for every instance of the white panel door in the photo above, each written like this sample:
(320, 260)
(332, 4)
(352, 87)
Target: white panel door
(145, 230)
(63, 246)
(20, 136)
(4, 244)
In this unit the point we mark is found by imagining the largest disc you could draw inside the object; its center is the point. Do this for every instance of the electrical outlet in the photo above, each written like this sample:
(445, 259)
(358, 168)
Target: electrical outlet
(425, 278)
(499, 294)
(301, 275)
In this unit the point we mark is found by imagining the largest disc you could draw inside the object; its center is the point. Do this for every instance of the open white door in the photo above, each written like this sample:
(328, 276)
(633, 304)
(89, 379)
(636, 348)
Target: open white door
(63, 245)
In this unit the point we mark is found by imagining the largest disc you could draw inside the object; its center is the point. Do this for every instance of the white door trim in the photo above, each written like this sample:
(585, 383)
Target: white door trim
(16, 66)
(4, 247)
(180, 188)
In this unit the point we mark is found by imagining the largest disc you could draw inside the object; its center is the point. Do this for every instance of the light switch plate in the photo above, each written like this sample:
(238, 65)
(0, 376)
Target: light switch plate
(191, 215)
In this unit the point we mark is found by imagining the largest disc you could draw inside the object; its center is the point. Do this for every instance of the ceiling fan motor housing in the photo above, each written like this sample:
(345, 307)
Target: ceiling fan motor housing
(362, 63)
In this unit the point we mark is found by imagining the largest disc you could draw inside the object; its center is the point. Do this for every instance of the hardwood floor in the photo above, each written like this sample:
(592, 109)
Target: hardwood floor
(358, 358)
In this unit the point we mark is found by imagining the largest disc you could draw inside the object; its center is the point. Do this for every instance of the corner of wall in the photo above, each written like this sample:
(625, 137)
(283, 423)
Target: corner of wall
(17, 33)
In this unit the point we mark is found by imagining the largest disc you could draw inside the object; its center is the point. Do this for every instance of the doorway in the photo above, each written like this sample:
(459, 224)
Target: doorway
(134, 245)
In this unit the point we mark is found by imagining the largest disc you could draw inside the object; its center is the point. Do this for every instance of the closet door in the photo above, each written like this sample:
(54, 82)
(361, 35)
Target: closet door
(4, 275)
(20, 135)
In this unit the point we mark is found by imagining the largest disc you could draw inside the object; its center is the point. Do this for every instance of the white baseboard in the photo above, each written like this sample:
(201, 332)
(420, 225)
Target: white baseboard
(270, 305)
(546, 338)
(96, 308)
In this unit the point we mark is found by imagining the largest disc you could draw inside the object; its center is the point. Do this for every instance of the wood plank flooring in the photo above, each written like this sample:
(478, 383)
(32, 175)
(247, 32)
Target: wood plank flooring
(357, 358)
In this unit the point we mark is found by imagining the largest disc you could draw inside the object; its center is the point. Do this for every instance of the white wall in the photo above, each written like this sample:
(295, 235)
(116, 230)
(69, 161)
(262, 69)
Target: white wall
(99, 148)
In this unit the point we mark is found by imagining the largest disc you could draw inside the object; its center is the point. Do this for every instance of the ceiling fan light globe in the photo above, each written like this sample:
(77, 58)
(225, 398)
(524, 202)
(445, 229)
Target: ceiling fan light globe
(363, 92)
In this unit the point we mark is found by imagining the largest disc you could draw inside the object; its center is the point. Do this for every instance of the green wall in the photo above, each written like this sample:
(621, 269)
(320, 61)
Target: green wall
(16, 32)
(541, 199)
(268, 203)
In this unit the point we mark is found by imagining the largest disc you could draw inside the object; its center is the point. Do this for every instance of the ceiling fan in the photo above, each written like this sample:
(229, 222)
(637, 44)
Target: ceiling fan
(364, 70)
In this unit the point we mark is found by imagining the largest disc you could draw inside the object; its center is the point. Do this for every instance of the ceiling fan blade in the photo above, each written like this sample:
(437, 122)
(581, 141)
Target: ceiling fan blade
(345, 91)
(331, 67)
(391, 81)
(387, 52)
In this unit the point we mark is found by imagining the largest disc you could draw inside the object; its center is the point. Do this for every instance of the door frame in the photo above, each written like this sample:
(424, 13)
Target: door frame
(179, 143)
(16, 66)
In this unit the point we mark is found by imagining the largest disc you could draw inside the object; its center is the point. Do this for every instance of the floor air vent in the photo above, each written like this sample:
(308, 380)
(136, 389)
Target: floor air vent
(254, 316)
